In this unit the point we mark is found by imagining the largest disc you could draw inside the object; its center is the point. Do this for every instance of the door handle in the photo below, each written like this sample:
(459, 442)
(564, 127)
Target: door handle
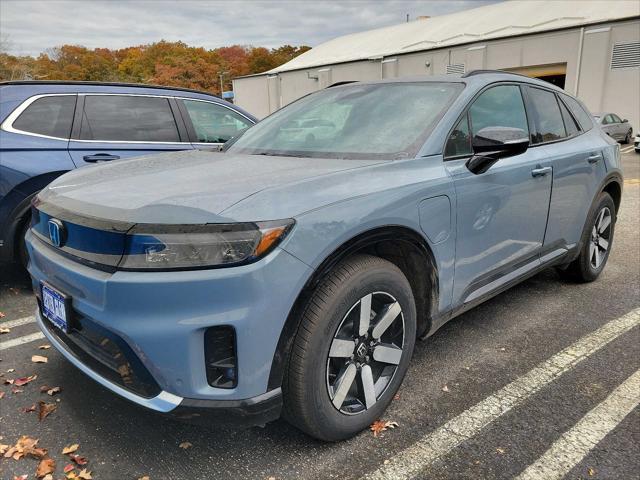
(100, 157)
(541, 171)
(594, 158)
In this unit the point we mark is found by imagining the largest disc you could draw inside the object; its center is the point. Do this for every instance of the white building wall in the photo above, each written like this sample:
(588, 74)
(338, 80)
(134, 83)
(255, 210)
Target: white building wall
(600, 87)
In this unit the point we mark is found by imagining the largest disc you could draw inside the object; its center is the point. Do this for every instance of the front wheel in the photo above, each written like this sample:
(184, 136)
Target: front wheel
(352, 349)
(627, 138)
(596, 242)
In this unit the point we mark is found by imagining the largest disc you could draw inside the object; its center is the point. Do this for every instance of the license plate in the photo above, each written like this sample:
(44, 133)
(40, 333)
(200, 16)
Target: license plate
(54, 307)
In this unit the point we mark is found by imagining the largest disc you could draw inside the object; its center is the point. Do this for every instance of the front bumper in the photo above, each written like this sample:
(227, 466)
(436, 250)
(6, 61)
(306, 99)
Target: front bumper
(162, 317)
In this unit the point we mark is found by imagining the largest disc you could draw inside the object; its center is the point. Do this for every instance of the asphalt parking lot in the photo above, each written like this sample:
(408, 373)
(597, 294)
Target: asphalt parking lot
(540, 382)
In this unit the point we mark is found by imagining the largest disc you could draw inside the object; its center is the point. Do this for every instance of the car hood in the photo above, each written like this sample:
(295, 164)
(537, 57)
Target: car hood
(185, 187)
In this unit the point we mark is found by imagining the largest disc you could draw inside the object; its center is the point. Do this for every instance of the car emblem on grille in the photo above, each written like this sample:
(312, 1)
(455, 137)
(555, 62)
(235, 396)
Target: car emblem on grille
(56, 232)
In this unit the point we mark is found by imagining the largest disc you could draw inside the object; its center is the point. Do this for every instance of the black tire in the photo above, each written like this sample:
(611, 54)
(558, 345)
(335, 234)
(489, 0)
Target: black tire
(584, 268)
(21, 247)
(307, 399)
(627, 138)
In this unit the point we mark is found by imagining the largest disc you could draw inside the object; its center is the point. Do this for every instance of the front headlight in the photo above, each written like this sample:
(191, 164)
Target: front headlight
(181, 247)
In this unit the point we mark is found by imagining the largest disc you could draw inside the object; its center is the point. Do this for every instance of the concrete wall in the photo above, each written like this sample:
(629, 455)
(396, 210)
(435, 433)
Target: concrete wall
(588, 72)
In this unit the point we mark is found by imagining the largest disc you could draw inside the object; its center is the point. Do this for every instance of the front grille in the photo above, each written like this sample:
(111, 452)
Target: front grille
(107, 354)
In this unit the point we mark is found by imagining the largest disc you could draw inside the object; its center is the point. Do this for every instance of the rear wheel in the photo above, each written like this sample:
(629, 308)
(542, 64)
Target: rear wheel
(352, 349)
(596, 242)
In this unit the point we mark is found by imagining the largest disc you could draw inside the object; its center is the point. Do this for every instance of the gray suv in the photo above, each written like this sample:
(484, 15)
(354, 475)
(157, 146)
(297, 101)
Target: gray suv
(293, 273)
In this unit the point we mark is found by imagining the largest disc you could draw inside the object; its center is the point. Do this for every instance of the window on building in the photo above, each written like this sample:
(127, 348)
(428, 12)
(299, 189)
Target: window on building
(214, 123)
(128, 119)
(51, 116)
(547, 117)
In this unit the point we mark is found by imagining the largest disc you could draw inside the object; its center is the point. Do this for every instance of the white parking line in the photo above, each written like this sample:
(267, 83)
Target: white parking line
(18, 322)
(575, 444)
(627, 149)
(412, 460)
(21, 340)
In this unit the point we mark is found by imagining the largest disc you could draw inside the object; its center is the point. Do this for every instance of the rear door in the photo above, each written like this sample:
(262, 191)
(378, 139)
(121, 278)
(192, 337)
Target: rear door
(578, 169)
(502, 213)
(109, 127)
(211, 124)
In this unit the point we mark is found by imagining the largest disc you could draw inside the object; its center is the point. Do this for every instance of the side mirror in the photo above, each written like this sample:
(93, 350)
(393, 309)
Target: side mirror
(625, 121)
(493, 143)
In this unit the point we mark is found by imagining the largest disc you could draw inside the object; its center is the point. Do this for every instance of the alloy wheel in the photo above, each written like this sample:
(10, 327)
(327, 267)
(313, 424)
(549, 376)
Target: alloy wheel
(600, 238)
(365, 353)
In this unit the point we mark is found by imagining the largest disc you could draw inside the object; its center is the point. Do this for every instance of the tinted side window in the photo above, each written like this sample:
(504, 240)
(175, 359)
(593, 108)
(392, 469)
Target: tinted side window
(607, 120)
(569, 123)
(500, 106)
(214, 123)
(51, 116)
(616, 118)
(547, 118)
(128, 118)
(459, 142)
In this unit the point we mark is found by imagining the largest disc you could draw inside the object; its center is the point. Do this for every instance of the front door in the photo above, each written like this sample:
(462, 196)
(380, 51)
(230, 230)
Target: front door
(502, 213)
(112, 127)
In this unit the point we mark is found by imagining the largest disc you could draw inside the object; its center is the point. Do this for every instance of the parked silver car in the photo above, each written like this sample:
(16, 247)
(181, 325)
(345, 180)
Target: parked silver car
(615, 127)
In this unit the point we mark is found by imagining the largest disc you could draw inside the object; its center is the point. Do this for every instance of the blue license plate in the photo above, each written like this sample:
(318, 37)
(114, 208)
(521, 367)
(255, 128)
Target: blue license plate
(54, 307)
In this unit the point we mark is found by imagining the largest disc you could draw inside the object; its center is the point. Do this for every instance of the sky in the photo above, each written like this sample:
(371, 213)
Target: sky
(29, 27)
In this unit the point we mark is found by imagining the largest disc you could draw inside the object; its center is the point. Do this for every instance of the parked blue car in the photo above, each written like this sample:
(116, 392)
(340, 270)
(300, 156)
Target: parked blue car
(292, 274)
(49, 128)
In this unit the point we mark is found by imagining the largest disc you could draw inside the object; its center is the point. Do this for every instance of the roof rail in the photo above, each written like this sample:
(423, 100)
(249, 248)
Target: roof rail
(346, 82)
(107, 84)
(472, 73)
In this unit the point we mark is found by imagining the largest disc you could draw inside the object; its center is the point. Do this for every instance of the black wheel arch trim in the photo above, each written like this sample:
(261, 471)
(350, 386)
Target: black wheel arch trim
(358, 243)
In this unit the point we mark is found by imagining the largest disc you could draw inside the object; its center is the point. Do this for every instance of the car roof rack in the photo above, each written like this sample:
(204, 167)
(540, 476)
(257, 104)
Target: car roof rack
(472, 73)
(345, 82)
(106, 84)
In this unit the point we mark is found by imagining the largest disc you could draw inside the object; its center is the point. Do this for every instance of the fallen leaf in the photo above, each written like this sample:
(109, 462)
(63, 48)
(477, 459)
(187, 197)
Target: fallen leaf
(45, 409)
(68, 468)
(45, 467)
(386, 461)
(445, 389)
(70, 449)
(48, 477)
(2, 315)
(18, 382)
(3, 448)
(71, 475)
(380, 426)
(44, 388)
(5, 330)
(146, 477)
(32, 408)
(39, 359)
(9, 381)
(52, 391)
(78, 459)
(15, 390)
(500, 451)
(46, 346)
(396, 396)
(1, 395)
(185, 445)
(20, 477)
(85, 474)
(11, 370)
(591, 471)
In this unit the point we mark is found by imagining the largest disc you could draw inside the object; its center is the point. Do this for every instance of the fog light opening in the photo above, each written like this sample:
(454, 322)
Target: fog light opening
(220, 357)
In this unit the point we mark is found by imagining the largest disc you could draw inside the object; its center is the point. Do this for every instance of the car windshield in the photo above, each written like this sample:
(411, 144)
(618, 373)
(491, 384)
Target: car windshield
(385, 120)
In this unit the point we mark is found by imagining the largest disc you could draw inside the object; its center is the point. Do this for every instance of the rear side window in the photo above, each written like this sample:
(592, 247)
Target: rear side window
(583, 117)
(214, 123)
(50, 116)
(569, 123)
(547, 117)
(124, 118)
(500, 106)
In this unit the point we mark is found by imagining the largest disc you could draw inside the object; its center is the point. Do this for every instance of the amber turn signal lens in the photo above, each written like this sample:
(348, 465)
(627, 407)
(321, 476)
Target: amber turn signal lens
(269, 238)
